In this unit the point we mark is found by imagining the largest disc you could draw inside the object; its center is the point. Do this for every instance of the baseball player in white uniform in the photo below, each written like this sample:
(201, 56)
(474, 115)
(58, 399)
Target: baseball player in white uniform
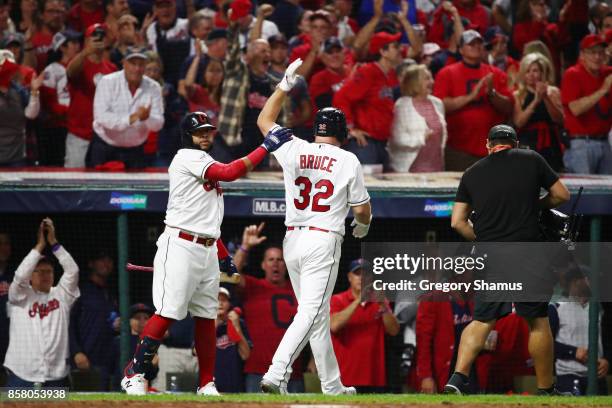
(186, 265)
(40, 313)
(322, 181)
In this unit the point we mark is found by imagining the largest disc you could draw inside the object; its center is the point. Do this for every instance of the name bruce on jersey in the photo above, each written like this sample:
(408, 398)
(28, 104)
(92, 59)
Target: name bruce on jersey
(314, 162)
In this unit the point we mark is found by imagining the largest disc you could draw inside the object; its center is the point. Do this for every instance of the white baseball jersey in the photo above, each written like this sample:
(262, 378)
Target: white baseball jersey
(321, 182)
(194, 204)
(38, 346)
(55, 77)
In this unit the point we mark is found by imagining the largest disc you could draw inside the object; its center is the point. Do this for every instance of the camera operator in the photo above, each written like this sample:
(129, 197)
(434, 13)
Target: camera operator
(503, 192)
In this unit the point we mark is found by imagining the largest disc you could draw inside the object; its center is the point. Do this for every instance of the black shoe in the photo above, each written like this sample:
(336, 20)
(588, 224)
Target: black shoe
(457, 385)
(553, 392)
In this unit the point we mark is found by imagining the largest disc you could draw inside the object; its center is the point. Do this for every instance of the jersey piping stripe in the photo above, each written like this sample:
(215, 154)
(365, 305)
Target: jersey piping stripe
(307, 335)
(164, 281)
(360, 202)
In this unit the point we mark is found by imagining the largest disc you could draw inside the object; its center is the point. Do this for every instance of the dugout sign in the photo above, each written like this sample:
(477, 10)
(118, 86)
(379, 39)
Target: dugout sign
(269, 206)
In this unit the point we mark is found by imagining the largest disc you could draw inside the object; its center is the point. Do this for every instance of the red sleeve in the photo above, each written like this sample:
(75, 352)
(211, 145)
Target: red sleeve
(236, 169)
(300, 52)
(570, 87)
(222, 251)
(318, 85)
(353, 90)
(336, 304)
(48, 99)
(442, 85)
(435, 31)
(425, 323)
(500, 82)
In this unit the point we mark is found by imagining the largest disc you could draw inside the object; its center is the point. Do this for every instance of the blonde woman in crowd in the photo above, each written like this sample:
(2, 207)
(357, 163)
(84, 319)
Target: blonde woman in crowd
(419, 129)
(538, 112)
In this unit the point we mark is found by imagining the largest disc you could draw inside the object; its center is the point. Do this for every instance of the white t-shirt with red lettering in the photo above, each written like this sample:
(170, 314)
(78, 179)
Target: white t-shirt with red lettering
(321, 182)
(38, 347)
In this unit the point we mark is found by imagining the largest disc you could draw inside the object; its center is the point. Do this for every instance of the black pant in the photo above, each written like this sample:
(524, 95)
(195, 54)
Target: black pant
(101, 152)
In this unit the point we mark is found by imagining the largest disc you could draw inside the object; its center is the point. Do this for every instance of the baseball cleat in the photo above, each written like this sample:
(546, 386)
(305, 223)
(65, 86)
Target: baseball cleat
(553, 392)
(268, 388)
(348, 391)
(209, 389)
(456, 385)
(134, 385)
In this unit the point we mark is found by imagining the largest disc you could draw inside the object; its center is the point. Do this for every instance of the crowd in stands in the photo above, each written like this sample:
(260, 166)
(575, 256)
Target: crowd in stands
(79, 343)
(104, 84)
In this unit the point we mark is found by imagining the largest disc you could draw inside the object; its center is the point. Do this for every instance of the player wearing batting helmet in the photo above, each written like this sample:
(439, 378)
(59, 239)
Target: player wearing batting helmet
(189, 252)
(322, 181)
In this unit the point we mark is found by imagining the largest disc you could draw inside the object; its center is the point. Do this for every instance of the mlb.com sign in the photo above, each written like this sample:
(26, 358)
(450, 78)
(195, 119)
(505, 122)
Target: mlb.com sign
(129, 201)
(438, 208)
(269, 206)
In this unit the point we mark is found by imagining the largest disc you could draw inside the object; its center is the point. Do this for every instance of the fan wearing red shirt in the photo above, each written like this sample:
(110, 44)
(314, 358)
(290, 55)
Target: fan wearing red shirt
(587, 104)
(476, 97)
(358, 335)
(366, 98)
(475, 12)
(269, 307)
(320, 30)
(324, 84)
(84, 72)
(35, 49)
(532, 24)
(85, 13)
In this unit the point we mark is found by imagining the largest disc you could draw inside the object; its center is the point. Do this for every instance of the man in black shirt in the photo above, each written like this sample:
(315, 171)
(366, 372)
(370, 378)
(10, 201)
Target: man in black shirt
(503, 192)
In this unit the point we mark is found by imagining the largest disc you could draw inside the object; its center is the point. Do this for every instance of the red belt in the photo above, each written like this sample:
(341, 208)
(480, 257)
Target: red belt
(310, 228)
(201, 240)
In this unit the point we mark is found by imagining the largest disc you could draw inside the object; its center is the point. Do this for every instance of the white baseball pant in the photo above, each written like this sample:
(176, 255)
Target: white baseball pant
(312, 259)
(185, 277)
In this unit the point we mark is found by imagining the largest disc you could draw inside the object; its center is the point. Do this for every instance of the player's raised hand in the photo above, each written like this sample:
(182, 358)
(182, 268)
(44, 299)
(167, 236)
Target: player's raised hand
(290, 77)
(277, 137)
(360, 230)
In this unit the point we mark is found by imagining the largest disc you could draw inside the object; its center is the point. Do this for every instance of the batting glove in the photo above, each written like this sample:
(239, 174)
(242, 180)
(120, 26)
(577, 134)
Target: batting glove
(277, 137)
(227, 265)
(290, 77)
(360, 230)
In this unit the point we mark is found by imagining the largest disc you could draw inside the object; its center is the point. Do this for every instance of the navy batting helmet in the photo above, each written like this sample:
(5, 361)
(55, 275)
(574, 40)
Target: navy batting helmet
(330, 122)
(191, 122)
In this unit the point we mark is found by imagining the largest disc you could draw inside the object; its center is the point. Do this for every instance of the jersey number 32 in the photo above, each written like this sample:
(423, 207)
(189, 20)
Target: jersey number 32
(324, 189)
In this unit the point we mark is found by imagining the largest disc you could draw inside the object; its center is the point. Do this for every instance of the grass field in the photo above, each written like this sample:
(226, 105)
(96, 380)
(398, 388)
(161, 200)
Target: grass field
(370, 399)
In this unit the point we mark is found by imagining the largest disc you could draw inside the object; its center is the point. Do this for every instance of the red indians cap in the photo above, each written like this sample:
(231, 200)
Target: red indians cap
(592, 40)
(381, 39)
(90, 30)
(240, 8)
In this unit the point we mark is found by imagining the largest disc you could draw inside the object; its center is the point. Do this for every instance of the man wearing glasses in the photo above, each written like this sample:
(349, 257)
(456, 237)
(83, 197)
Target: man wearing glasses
(38, 42)
(587, 104)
